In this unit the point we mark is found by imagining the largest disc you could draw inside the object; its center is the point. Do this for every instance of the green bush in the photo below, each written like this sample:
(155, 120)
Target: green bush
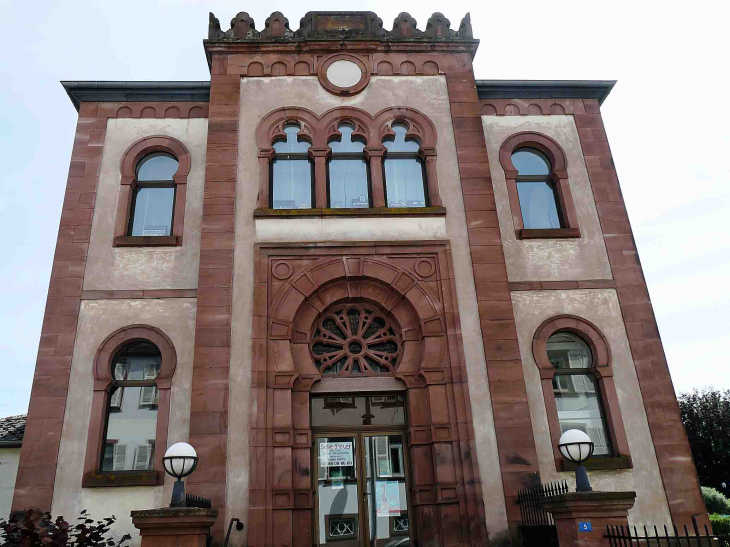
(715, 501)
(720, 524)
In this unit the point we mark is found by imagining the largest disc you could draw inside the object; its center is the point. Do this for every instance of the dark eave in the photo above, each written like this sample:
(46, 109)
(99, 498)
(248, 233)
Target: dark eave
(545, 89)
(11, 444)
(80, 92)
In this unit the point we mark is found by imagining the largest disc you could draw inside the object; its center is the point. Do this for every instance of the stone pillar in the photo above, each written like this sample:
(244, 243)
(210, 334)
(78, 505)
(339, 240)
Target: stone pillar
(581, 517)
(174, 526)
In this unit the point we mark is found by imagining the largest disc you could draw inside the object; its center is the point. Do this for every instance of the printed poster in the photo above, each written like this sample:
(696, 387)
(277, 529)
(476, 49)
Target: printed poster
(387, 498)
(336, 455)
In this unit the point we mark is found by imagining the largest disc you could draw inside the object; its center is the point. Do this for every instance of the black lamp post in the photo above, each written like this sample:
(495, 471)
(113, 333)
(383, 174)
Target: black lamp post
(180, 460)
(576, 446)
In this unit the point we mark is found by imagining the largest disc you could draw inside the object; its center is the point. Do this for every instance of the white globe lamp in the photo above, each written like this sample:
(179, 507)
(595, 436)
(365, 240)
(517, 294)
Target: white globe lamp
(179, 461)
(575, 445)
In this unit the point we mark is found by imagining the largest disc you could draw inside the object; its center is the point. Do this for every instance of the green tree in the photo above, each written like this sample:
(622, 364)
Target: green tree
(706, 418)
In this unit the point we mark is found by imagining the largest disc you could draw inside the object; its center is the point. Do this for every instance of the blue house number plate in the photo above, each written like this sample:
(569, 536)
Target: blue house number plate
(585, 527)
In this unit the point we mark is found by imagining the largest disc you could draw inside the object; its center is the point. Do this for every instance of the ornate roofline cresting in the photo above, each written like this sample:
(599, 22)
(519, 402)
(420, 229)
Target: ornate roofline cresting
(339, 25)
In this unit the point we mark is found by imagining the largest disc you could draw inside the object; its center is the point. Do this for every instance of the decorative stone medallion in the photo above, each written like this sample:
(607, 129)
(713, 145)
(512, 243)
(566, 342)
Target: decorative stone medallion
(355, 339)
(343, 74)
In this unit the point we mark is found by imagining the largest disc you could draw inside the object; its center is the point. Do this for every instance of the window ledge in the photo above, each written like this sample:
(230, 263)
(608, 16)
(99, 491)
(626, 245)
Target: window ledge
(550, 233)
(147, 241)
(599, 463)
(122, 478)
(357, 212)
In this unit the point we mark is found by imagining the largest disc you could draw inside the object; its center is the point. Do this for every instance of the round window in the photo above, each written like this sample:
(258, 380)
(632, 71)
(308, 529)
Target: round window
(355, 339)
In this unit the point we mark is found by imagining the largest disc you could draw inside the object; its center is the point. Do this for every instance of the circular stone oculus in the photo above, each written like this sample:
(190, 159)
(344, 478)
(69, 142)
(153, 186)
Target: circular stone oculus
(344, 73)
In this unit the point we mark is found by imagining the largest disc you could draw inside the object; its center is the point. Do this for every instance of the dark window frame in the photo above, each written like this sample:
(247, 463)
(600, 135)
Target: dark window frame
(348, 156)
(121, 384)
(415, 155)
(128, 192)
(285, 156)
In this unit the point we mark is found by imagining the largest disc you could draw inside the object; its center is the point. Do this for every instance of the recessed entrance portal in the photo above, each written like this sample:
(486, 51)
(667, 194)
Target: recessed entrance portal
(361, 484)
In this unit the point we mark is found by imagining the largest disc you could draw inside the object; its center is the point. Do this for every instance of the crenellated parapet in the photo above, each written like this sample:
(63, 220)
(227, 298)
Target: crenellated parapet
(339, 25)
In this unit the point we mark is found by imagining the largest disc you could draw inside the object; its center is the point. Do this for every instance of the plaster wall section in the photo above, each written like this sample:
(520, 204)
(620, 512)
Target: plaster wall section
(140, 268)
(97, 320)
(601, 307)
(548, 259)
(9, 458)
(428, 94)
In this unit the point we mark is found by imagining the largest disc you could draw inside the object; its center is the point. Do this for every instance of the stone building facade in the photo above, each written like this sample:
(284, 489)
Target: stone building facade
(369, 289)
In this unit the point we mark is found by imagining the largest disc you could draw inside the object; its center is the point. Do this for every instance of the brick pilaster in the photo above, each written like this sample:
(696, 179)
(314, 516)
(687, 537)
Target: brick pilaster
(39, 456)
(515, 439)
(673, 453)
(209, 406)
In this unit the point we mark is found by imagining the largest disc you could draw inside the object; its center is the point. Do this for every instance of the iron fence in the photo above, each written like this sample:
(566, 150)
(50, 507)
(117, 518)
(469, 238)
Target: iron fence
(665, 536)
(537, 526)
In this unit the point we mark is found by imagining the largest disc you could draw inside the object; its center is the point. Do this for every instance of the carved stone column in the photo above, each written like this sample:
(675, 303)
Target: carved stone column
(375, 156)
(320, 156)
(266, 155)
(432, 178)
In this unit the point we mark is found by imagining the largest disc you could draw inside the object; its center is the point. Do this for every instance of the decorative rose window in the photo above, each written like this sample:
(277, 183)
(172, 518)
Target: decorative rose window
(355, 339)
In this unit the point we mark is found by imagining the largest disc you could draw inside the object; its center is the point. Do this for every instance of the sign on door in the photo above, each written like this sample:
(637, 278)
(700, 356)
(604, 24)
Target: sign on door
(336, 454)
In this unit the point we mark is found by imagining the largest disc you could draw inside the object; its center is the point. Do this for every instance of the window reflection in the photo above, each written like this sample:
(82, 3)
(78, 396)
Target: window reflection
(347, 172)
(404, 179)
(129, 441)
(577, 395)
(536, 189)
(154, 196)
(356, 411)
(291, 172)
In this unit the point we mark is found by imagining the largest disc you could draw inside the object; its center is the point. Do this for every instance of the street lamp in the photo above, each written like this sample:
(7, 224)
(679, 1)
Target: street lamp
(576, 446)
(180, 460)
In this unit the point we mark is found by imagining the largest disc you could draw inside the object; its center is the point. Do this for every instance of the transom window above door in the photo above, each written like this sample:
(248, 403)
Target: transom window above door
(355, 411)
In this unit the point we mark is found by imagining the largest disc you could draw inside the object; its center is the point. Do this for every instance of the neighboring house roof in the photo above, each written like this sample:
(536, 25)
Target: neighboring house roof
(12, 430)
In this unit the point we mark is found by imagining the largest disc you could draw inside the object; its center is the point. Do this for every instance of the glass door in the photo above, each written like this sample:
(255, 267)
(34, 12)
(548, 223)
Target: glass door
(385, 496)
(338, 490)
(360, 460)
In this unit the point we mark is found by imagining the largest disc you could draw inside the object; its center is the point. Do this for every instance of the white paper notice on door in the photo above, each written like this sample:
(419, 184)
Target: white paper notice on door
(336, 454)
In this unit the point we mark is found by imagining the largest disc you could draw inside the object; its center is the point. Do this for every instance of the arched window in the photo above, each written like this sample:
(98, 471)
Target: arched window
(576, 391)
(131, 419)
(153, 200)
(151, 207)
(536, 190)
(347, 172)
(291, 172)
(130, 408)
(404, 171)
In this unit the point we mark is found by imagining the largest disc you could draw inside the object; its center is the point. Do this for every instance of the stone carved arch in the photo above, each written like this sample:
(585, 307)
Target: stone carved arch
(102, 372)
(311, 291)
(411, 282)
(128, 183)
(319, 130)
(559, 176)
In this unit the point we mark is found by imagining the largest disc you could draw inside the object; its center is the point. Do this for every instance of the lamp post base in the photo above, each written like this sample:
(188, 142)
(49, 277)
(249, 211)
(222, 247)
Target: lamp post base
(178, 494)
(582, 484)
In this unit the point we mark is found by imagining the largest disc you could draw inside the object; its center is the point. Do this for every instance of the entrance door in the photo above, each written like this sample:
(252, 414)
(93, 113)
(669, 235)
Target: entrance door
(361, 482)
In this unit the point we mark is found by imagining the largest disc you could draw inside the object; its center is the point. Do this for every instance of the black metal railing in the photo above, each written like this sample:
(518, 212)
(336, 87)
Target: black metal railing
(666, 536)
(530, 502)
(537, 527)
(197, 501)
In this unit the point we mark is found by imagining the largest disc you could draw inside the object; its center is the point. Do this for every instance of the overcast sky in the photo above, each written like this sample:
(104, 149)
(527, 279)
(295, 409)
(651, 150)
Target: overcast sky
(667, 121)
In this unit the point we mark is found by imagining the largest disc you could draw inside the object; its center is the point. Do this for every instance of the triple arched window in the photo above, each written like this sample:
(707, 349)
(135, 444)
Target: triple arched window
(347, 159)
